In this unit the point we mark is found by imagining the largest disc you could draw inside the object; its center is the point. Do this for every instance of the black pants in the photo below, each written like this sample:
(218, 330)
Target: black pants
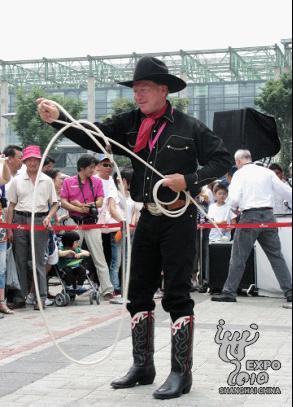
(163, 244)
(202, 238)
(106, 237)
(75, 276)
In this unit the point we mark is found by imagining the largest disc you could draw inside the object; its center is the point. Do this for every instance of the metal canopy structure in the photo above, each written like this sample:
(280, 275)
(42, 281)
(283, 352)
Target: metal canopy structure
(204, 66)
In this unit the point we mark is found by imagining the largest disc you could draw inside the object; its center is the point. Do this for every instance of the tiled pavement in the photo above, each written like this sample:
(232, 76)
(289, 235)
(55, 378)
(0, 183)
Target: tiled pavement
(34, 374)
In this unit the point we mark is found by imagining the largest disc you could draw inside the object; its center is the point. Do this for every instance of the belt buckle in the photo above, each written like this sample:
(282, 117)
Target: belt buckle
(176, 205)
(153, 209)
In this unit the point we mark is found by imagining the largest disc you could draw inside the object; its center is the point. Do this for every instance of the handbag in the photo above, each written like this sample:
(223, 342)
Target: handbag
(12, 280)
(105, 218)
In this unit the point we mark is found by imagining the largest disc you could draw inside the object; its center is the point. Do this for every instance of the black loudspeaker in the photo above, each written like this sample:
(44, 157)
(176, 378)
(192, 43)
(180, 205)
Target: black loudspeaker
(219, 259)
(248, 129)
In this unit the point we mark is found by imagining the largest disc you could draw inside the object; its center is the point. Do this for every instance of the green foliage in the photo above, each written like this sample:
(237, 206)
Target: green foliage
(276, 99)
(27, 123)
(123, 105)
(180, 104)
(122, 161)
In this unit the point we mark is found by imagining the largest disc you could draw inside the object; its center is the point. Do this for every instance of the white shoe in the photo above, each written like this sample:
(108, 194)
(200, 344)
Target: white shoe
(31, 299)
(48, 302)
(81, 289)
(158, 295)
(195, 284)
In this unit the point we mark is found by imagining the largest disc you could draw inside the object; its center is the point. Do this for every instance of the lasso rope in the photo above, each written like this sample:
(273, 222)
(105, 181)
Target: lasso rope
(125, 290)
(91, 132)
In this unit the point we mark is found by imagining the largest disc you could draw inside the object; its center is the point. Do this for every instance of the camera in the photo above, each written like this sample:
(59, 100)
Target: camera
(93, 211)
(3, 203)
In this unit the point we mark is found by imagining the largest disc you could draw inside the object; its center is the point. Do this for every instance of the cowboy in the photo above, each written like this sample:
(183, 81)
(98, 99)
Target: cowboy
(20, 196)
(174, 144)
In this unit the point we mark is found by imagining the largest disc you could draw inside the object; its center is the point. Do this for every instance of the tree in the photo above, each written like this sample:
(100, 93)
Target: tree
(123, 105)
(27, 123)
(276, 99)
(180, 104)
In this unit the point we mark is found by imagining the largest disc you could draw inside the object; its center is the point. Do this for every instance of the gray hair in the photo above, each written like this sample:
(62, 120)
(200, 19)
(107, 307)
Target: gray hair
(243, 155)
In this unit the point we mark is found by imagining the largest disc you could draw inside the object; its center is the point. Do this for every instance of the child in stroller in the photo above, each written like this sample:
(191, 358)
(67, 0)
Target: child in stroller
(71, 271)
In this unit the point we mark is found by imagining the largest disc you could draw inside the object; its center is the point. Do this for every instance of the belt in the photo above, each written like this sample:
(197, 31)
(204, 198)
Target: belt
(29, 214)
(258, 209)
(83, 221)
(154, 210)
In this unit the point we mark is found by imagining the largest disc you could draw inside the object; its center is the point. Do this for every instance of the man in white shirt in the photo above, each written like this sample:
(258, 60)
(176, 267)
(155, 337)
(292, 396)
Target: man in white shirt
(13, 154)
(252, 192)
(20, 196)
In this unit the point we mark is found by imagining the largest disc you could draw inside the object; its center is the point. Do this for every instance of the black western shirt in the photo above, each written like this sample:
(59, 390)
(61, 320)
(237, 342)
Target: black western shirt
(185, 145)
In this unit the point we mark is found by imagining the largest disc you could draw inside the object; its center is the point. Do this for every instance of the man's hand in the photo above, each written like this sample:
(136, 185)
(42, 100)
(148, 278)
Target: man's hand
(68, 253)
(47, 222)
(237, 211)
(10, 235)
(80, 207)
(77, 203)
(63, 218)
(83, 209)
(47, 110)
(176, 182)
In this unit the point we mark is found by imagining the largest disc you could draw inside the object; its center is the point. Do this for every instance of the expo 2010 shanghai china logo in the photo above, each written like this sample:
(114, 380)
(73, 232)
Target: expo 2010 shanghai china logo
(251, 377)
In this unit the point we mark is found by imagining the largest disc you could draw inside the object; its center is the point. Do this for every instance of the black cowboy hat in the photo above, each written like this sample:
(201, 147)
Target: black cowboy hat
(152, 69)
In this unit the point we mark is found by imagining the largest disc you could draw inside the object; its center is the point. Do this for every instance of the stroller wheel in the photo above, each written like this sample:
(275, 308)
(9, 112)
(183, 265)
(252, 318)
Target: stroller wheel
(60, 300)
(67, 299)
(72, 298)
(98, 299)
(93, 297)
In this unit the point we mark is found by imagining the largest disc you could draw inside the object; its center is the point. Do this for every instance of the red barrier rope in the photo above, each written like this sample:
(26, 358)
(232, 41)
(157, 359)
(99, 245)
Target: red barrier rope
(119, 225)
(247, 225)
(61, 228)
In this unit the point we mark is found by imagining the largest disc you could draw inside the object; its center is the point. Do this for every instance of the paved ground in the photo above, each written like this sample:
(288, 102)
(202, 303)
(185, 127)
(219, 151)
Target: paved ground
(33, 373)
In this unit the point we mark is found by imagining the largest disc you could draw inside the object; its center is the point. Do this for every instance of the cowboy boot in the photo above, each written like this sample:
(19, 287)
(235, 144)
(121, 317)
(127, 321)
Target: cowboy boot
(143, 370)
(180, 379)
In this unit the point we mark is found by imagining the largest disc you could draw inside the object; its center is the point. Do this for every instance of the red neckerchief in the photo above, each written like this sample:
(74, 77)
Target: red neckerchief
(145, 129)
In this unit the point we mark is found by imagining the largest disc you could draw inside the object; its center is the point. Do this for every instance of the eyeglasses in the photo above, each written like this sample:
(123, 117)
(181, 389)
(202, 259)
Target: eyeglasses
(107, 165)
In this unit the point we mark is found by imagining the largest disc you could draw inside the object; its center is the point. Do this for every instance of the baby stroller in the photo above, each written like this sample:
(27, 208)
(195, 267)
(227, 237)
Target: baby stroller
(70, 292)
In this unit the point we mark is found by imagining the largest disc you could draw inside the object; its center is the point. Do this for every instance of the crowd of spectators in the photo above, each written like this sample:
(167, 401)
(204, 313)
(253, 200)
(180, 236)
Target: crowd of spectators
(91, 196)
(215, 200)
